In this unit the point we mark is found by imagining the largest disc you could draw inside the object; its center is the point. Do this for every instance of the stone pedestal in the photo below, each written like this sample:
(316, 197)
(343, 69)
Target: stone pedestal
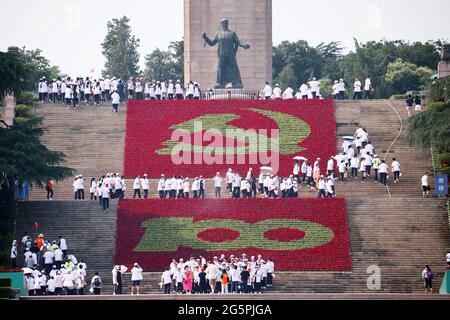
(250, 19)
(444, 69)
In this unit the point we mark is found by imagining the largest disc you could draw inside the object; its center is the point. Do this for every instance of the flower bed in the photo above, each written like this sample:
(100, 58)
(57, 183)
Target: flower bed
(307, 128)
(298, 234)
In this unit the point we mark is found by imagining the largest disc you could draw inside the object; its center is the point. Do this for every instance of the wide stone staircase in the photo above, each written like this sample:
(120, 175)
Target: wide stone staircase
(400, 237)
(392, 228)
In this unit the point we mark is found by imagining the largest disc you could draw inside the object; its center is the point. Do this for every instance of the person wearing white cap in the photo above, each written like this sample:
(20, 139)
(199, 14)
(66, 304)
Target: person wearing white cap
(179, 90)
(236, 186)
(136, 278)
(314, 85)
(195, 187)
(218, 184)
(229, 178)
(197, 91)
(161, 187)
(158, 91)
(145, 185)
(137, 187)
(335, 90)
(321, 187)
(170, 89)
(190, 90)
(139, 86)
(276, 94)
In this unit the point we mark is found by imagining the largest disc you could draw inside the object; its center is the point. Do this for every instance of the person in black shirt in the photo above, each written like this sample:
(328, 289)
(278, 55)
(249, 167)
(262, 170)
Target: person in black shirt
(418, 103)
(244, 278)
(203, 285)
(409, 105)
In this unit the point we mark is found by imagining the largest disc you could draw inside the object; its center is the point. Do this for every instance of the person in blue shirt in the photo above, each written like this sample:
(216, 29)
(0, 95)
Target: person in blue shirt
(121, 90)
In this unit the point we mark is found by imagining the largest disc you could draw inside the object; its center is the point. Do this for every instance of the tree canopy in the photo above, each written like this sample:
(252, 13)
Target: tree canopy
(169, 64)
(120, 49)
(24, 158)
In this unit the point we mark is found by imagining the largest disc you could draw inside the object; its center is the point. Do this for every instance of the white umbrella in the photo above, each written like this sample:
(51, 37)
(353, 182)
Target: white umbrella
(123, 269)
(300, 158)
(27, 271)
(266, 169)
(349, 138)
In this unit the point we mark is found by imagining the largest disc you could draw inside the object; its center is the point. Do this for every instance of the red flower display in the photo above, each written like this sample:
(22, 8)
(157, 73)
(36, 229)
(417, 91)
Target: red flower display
(307, 128)
(298, 234)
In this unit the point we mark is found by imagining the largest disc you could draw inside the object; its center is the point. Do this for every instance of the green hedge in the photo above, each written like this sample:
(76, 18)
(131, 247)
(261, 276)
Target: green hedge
(5, 293)
(25, 98)
(5, 283)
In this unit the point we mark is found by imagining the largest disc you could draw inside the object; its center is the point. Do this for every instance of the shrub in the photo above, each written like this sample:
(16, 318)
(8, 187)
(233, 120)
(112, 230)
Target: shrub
(26, 98)
(440, 90)
(444, 159)
(24, 111)
(438, 104)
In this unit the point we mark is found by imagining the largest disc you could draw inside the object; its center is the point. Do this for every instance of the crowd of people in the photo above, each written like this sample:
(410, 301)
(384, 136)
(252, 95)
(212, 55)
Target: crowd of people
(86, 90)
(220, 275)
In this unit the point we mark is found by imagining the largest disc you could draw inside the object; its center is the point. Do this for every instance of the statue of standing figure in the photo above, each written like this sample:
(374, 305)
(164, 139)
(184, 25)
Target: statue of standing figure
(228, 45)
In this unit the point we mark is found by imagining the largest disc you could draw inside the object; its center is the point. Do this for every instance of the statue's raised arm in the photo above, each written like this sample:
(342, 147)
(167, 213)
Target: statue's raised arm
(212, 42)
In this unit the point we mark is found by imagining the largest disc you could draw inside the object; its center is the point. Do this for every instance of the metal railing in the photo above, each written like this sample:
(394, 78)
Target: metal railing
(227, 94)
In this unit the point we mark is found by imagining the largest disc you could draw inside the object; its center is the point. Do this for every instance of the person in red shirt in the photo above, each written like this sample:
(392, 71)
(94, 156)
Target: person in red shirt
(49, 188)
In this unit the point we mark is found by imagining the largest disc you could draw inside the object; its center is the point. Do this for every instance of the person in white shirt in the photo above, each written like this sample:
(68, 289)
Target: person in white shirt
(68, 97)
(118, 187)
(136, 278)
(288, 93)
(237, 186)
(267, 91)
(180, 188)
(195, 187)
(354, 165)
(309, 176)
(447, 257)
(186, 187)
(357, 89)
(298, 95)
(330, 166)
(96, 284)
(304, 91)
(69, 283)
(115, 101)
(166, 280)
(170, 90)
(137, 187)
(335, 90)
(105, 196)
(383, 171)
(296, 170)
(197, 91)
(161, 187)
(261, 182)
(179, 90)
(107, 88)
(48, 261)
(314, 85)
(218, 184)
(130, 86)
(139, 87)
(14, 254)
(367, 87)
(321, 187)
(229, 178)
(341, 168)
(395, 169)
(276, 94)
(425, 186)
(145, 185)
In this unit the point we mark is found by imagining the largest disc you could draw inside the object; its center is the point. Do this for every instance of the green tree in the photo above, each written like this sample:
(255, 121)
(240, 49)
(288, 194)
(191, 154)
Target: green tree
(286, 78)
(169, 64)
(24, 158)
(157, 65)
(13, 74)
(326, 87)
(402, 76)
(120, 49)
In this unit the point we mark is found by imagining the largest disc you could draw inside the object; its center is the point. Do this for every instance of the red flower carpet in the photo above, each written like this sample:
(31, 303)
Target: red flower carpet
(298, 234)
(306, 128)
